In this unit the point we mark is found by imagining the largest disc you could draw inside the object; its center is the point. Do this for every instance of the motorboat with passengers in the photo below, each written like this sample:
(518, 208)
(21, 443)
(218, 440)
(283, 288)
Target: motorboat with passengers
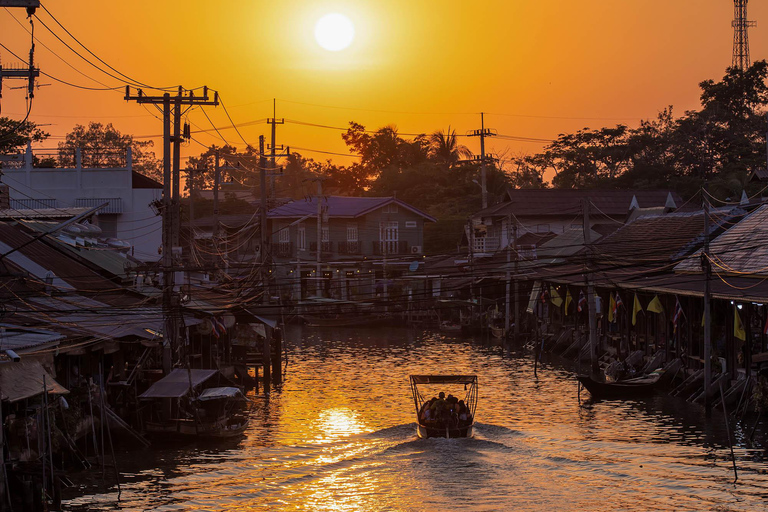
(441, 414)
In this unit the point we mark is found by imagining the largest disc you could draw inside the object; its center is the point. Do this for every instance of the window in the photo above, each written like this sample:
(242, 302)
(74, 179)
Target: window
(410, 223)
(389, 236)
(351, 232)
(302, 241)
(325, 234)
(284, 235)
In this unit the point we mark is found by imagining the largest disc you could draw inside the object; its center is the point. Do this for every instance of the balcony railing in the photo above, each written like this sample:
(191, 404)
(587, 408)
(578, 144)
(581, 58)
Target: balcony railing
(284, 249)
(349, 247)
(324, 247)
(391, 247)
(486, 244)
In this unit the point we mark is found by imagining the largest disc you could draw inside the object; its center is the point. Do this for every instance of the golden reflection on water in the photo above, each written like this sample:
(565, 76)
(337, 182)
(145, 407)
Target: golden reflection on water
(337, 423)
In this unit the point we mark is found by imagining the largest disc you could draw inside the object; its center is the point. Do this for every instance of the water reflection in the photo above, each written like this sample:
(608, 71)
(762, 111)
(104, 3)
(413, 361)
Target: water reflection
(339, 435)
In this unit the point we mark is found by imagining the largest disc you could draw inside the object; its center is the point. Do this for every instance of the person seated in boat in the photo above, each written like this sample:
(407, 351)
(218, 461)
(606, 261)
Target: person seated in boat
(462, 412)
(439, 409)
(425, 414)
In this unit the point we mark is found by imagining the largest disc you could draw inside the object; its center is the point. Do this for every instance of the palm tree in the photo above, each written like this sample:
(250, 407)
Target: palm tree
(445, 149)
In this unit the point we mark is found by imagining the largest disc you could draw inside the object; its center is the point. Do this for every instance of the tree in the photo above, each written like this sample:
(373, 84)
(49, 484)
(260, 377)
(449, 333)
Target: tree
(104, 146)
(15, 135)
(445, 150)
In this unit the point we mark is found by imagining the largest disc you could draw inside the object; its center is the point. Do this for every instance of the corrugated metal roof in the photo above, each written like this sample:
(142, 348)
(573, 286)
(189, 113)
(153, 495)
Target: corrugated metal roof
(178, 383)
(25, 379)
(340, 206)
(42, 213)
(15, 337)
(560, 202)
(742, 249)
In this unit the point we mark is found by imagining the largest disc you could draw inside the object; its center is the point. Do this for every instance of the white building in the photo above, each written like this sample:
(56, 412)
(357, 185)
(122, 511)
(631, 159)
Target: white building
(129, 215)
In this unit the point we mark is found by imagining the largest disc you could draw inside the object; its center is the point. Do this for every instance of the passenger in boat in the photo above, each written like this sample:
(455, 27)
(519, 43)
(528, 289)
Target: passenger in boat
(463, 413)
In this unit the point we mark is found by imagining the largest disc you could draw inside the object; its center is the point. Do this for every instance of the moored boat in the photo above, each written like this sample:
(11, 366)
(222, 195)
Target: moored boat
(445, 416)
(629, 388)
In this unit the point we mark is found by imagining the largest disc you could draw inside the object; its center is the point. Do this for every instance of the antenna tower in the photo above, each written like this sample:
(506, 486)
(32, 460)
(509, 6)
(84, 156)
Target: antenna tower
(740, 38)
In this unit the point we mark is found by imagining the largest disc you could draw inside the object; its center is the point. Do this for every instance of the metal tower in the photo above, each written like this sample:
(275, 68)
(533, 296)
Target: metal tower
(740, 25)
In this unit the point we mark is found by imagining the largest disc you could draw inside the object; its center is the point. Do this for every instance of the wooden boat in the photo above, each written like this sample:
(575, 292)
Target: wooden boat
(449, 425)
(630, 388)
(181, 406)
(325, 312)
(447, 326)
(497, 332)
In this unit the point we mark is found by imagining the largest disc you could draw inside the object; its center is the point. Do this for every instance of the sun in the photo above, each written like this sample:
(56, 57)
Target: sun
(334, 32)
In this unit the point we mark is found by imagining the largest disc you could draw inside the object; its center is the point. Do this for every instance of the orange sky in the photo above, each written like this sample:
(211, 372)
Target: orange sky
(537, 68)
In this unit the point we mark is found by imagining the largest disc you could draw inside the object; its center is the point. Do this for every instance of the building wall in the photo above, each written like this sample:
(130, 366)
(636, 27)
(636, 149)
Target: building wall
(367, 232)
(136, 222)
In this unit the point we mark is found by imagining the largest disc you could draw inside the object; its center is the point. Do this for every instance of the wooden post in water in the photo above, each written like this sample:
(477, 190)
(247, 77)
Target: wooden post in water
(728, 431)
(277, 351)
(266, 350)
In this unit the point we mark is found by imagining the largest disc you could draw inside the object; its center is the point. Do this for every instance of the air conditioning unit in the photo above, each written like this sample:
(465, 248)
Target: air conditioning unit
(415, 249)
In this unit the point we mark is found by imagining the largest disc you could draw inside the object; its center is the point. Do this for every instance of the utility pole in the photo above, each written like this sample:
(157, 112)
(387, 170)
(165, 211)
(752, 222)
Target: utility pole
(216, 183)
(590, 286)
(171, 331)
(273, 147)
(483, 132)
(508, 278)
(319, 234)
(517, 289)
(30, 72)
(707, 309)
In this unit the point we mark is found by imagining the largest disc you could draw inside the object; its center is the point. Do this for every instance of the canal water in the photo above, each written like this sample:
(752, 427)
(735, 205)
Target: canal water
(340, 436)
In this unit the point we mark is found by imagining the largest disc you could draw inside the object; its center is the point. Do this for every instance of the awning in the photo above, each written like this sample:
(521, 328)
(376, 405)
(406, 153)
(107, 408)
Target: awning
(177, 383)
(24, 380)
(216, 393)
(444, 379)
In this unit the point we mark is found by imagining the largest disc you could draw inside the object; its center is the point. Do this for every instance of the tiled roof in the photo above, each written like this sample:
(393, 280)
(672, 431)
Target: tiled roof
(340, 206)
(559, 202)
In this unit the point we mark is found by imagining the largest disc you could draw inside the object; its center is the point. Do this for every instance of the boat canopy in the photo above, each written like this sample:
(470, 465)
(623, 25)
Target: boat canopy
(178, 383)
(218, 393)
(444, 379)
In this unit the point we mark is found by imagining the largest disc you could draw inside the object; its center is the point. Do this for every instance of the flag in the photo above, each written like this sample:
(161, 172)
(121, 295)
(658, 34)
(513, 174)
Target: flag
(616, 307)
(557, 301)
(214, 328)
(582, 301)
(655, 305)
(738, 327)
(568, 300)
(611, 308)
(635, 308)
(678, 313)
(220, 324)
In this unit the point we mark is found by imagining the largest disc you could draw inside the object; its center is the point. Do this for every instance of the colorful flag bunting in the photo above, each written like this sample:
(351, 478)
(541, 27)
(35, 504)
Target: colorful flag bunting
(738, 327)
(582, 301)
(655, 305)
(635, 308)
(557, 301)
(611, 308)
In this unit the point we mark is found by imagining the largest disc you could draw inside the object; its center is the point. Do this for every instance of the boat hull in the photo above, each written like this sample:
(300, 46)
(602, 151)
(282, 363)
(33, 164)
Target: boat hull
(622, 389)
(425, 432)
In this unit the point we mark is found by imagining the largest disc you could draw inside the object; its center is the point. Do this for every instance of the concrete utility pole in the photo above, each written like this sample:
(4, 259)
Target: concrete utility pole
(517, 290)
(216, 183)
(483, 132)
(319, 235)
(171, 331)
(590, 287)
(707, 309)
(30, 72)
(508, 278)
(272, 148)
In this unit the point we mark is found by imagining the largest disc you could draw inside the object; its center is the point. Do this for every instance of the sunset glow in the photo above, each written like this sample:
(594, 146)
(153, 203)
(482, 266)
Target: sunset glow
(334, 32)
